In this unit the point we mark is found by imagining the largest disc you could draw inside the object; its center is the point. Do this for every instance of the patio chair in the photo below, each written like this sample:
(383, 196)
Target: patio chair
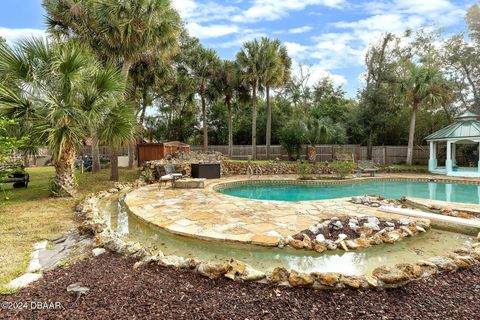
(170, 175)
(368, 166)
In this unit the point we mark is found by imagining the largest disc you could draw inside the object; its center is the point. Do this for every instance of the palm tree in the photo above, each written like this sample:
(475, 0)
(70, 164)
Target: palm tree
(204, 63)
(250, 62)
(61, 90)
(226, 84)
(118, 30)
(317, 131)
(117, 130)
(421, 85)
(276, 70)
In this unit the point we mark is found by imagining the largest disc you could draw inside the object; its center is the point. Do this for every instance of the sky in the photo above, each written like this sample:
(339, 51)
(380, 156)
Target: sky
(331, 36)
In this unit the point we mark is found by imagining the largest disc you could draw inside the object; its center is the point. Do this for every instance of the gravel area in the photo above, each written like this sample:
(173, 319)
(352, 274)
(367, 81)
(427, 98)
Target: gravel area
(117, 291)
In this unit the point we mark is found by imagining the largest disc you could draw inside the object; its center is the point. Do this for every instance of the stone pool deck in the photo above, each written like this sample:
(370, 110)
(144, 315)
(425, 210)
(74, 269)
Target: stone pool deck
(210, 215)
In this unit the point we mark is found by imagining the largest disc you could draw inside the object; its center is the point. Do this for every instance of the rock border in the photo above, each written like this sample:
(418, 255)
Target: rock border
(363, 232)
(382, 277)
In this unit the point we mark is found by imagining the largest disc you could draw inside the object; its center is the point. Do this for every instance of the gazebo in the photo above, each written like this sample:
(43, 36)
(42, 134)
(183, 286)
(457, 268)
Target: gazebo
(465, 130)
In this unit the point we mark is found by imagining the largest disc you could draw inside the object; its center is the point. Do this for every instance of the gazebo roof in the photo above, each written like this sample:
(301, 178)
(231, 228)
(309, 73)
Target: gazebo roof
(466, 127)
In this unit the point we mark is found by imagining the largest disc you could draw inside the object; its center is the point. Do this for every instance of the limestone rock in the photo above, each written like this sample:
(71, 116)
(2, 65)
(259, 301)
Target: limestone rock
(23, 281)
(320, 238)
(278, 275)
(320, 247)
(329, 279)
(355, 282)
(391, 237)
(391, 276)
(239, 270)
(299, 279)
(171, 261)
(297, 244)
(213, 271)
(98, 251)
(443, 263)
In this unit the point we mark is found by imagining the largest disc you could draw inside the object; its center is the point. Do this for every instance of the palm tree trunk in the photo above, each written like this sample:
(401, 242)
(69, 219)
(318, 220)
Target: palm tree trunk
(132, 149)
(230, 129)
(411, 136)
(269, 123)
(126, 68)
(113, 164)
(254, 122)
(204, 118)
(64, 171)
(95, 154)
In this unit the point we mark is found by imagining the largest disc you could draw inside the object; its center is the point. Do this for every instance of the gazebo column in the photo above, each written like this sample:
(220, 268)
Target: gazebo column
(448, 162)
(454, 153)
(478, 165)
(432, 162)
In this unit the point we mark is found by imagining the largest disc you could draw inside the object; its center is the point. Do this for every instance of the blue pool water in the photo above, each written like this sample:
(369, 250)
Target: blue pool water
(390, 189)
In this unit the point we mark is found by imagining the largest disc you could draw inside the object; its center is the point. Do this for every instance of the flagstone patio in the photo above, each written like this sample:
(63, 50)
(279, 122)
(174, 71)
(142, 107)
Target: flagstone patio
(210, 215)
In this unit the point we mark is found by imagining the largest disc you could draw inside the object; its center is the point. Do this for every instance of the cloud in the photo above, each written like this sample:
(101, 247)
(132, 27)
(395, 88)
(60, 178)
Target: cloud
(300, 30)
(193, 11)
(274, 9)
(244, 36)
(316, 72)
(12, 34)
(211, 31)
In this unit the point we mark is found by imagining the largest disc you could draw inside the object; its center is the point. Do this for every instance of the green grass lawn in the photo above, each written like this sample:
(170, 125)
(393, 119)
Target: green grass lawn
(31, 215)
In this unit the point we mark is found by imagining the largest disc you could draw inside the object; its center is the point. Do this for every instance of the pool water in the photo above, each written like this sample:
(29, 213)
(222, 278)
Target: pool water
(455, 192)
(433, 243)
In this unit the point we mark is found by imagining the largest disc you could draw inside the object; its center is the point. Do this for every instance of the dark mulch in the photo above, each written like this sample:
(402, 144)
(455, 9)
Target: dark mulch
(117, 291)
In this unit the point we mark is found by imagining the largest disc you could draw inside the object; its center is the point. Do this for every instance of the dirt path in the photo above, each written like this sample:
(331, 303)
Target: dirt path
(117, 291)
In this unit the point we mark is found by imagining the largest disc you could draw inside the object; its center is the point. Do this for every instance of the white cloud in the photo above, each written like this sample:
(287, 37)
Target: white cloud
(300, 30)
(296, 50)
(316, 72)
(211, 31)
(274, 9)
(196, 11)
(12, 34)
(238, 41)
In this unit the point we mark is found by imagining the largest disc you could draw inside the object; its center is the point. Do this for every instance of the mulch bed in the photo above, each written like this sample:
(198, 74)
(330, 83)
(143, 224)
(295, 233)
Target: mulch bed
(117, 291)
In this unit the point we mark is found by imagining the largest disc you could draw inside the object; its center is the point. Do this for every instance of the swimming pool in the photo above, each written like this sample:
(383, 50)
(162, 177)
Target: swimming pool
(455, 192)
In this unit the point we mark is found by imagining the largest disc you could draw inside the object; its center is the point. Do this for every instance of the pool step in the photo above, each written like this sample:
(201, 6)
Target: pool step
(432, 216)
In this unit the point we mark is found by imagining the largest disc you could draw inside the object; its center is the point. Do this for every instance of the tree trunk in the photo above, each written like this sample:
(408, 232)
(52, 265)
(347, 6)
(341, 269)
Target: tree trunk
(144, 108)
(269, 124)
(370, 147)
(254, 122)
(312, 153)
(132, 149)
(95, 155)
(204, 118)
(113, 164)
(126, 68)
(411, 136)
(64, 182)
(26, 161)
(230, 129)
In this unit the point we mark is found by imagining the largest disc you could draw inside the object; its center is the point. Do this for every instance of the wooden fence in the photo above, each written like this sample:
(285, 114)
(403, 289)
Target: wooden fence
(381, 154)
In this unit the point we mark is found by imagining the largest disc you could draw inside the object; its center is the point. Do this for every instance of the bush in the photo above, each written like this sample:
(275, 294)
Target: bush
(304, 170)
(342, 168)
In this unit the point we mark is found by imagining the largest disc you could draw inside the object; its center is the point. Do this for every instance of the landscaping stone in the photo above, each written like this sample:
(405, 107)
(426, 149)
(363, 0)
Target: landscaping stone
(23, 281)
(299, 279)
(98, 251)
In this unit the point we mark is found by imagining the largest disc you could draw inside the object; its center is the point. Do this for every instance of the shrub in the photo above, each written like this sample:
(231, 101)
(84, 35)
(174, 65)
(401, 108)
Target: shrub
(304, 170)
(342, 168)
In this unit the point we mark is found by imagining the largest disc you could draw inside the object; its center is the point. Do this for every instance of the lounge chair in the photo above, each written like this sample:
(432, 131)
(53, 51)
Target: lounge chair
(170, 175)
(368, 166)
(19, 178)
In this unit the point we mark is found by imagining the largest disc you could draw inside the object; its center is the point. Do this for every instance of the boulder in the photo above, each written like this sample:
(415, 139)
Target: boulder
(299, 279)
(171, 261)
(364, 230)
(320, 247)
(320, 238)
(412, 271)
(355, 282)
(211, 270)
(391, 237)
(443, 263)
(238, 270)
(278, 275)
(98, 251)
(390, 276)
(329, 279)
(297, 244)
(307, 242)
